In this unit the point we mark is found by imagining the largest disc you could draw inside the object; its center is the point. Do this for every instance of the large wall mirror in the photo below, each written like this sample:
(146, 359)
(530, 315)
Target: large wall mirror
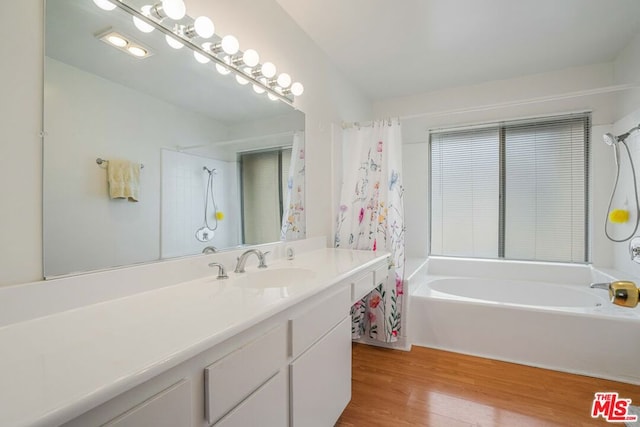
(222, 166)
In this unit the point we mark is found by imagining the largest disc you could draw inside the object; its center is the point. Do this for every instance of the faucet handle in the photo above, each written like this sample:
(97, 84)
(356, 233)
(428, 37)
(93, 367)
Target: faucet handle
(263, 259)
(624, 293)
(222, 273)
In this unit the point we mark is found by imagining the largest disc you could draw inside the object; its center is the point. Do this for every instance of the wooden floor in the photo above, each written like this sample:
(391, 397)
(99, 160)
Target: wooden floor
(426, 387)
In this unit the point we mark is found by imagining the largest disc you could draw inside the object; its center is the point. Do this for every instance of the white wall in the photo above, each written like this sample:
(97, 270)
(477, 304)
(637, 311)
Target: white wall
(591, 88)
(260, 24)
(624, 197)
(415, 158)
(84, 228)
(626, 71)
(20, 149)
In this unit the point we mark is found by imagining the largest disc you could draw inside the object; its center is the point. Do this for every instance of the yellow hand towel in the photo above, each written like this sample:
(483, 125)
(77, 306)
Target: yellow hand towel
(124, 179)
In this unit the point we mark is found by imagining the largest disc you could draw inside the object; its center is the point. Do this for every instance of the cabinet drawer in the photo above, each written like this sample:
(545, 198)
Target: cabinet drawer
(380, 274)
(364, 284)
(309, 326)
(361, 286)
(169, 408)
(267, 407)
(231, 379)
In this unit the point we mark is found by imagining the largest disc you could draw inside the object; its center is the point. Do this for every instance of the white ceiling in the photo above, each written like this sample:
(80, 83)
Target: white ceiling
(397, 48)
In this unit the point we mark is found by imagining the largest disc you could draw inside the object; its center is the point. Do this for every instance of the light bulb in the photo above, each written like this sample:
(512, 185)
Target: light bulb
(104, 4)
(268, 70)
(140, 24)
(297, 89)
(204, 27)
(200, 57)
(173, 42)
(284, 80)
(241, 80)
(251, 58)
(222, 69)
(117, 41)
(258, 89)
(174, 9)
(230, 45)
(272, 97)
(137, 51)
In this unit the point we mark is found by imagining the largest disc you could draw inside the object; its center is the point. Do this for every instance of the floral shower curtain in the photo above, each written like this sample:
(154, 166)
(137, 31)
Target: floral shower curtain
(293, 218)
(371, 217)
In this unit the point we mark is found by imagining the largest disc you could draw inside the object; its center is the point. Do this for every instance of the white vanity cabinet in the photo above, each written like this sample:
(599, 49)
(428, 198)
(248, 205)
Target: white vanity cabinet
(321, 367)
(292, 368)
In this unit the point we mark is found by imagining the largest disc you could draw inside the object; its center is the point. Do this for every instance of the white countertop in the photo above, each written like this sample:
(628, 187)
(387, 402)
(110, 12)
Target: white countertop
(57, 367)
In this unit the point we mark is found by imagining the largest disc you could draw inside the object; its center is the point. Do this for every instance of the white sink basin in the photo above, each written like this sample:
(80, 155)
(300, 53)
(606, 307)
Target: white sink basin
(272, 277)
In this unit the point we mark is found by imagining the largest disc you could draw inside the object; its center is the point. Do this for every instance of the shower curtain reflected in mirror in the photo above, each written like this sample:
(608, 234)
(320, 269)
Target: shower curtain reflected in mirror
(293, 219)
(371, 217)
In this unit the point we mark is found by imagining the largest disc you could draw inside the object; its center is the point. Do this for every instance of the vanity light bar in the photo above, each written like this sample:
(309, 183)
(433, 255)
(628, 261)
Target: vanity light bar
(244, 65)
(124, 43)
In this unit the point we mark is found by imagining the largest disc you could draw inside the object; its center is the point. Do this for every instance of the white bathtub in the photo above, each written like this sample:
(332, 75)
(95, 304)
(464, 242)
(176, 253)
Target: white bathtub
(512, 312)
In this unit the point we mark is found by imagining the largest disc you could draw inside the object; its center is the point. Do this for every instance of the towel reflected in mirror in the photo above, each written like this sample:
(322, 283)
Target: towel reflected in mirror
(124, 179)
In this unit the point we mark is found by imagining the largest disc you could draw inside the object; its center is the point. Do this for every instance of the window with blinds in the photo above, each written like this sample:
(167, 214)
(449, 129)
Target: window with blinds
(514, 190)
(263, 181)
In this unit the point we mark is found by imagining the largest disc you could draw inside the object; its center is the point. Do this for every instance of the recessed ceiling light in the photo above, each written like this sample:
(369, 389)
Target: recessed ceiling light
(137, 51)
(124, 43)
(116, 40)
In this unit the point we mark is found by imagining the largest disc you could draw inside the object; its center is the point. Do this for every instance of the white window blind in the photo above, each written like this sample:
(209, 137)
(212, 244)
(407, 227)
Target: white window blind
(465, 193)
(545, 191)
(515, 190)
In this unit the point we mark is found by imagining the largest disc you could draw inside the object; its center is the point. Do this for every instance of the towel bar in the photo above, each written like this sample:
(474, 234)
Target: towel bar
(101, 161)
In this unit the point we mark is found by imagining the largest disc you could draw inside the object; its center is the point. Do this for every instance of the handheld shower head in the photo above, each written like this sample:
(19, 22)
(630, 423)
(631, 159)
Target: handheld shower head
(610, 139)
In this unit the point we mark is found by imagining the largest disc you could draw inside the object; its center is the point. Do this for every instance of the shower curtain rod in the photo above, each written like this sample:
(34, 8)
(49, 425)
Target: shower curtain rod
(234, 141)
(350, 125)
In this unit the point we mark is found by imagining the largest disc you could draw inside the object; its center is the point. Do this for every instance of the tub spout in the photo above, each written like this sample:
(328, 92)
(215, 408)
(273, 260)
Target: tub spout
(622, 293)
(604, 286)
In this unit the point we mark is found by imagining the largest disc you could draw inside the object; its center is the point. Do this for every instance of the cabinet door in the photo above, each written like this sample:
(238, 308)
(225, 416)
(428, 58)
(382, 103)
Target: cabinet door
(267, 407)
(321, 379)
(169, 408)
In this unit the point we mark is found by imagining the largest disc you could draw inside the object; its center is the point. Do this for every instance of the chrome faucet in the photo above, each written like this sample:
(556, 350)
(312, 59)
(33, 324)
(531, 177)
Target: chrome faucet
(222, 273)
(242, 259)
(209, 250)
